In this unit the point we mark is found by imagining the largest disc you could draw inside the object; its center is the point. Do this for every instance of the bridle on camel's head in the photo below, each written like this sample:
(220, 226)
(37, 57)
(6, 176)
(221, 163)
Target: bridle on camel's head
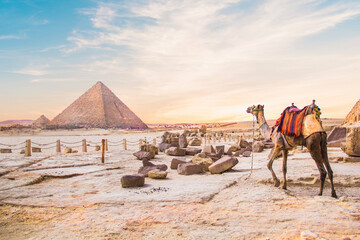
(255, 111)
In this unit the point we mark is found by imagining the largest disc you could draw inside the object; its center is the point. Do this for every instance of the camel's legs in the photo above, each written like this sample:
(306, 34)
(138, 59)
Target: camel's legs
(285, 155)
(272, 157)
(327, 164)
(313, 144)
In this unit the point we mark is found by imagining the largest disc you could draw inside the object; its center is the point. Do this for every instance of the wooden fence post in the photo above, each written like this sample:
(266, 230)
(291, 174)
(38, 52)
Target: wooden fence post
(28, 148)
(103, 151)
(124, 142)
(106, 145)
(84, 146)
(140, 143)
(204, 140)
(154, 141)
(58, 147)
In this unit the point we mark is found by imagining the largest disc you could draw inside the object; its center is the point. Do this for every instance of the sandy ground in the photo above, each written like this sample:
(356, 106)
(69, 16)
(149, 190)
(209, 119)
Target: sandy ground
(74, 196)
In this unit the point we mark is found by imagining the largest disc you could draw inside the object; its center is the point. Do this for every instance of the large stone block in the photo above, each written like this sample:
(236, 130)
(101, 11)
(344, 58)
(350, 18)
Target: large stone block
(209, 149)
(183, 141)
(223, 164)
(164, 146)
(149, 148)
(142, 155)
(5, 150)
(189, 168)
(157, 174)
(258, 146)
(136, 180)
(175, 163)
(352, 146)
(37, 149)
(146, 169)
(176, 151)
(204, 161)
(195, 142)
(192, 151)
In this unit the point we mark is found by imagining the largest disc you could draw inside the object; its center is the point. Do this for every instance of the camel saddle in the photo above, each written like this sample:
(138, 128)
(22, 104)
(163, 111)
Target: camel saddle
(295, 122)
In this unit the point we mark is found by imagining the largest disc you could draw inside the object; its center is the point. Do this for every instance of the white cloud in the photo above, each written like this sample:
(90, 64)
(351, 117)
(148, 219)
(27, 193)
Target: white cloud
(11, 37)
(209, 51)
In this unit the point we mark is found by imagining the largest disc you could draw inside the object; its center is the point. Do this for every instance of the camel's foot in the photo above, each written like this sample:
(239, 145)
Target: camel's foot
(284, 187)
(333, 194)
(276, 183)
(320, 194)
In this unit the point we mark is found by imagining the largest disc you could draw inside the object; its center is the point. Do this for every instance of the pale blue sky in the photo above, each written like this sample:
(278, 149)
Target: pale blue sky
(180, 60)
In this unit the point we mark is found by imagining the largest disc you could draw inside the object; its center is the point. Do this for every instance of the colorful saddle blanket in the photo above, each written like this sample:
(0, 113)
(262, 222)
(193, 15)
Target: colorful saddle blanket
(291, 120)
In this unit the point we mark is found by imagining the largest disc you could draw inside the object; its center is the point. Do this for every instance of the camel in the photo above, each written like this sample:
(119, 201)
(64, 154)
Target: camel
(312, 136)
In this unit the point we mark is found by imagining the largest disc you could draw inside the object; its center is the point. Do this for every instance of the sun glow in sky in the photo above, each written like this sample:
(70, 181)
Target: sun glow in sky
(180, 60)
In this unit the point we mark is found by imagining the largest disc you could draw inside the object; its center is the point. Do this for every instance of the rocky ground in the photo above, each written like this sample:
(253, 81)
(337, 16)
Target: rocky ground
(76, 197)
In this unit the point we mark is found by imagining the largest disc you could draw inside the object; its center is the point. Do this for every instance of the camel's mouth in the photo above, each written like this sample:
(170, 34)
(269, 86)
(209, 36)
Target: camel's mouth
(248, 110)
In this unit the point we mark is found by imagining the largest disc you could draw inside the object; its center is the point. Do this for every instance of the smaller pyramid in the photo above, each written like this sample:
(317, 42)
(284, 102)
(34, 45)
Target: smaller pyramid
(41, 121)
(99, 107)
(354, 115)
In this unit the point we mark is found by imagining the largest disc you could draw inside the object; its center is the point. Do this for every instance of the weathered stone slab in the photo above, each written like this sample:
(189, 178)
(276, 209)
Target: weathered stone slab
(68, 150)
(157, 174)
(176, 151)
(195, 142)
(203, 160)
(209, 149)
(183, 141)
(189, 168)
(136, 180)
(223, 164)
(175, 162)
(35, 149)
(5, 150)
(146, 169)
(149, 148)
(257, 147)
(246, 154)
(352, 147)
(142, 155)
(192, 151)
(164, 146)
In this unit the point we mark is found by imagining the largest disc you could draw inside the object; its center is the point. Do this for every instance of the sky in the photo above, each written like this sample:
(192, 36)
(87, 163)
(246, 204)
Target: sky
(179, 61)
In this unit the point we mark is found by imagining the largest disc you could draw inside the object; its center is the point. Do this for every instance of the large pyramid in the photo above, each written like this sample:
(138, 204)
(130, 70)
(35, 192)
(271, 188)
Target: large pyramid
(99, 107)
(354, 114)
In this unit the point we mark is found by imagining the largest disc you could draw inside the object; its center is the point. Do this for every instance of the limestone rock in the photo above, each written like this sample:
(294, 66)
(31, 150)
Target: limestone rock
(136, 180)
(243, 143)
(220, 150)
(175, 151)
(352, 147)
(74, 151)
(257, 146)
(35, 149)
(146, 169)
(174, 142)
(192, 151)
(246, 154)
(308, 235)
(97, 148)
(150, 148)
(22, 151)
(189, 169)
(183, 141)
(68, 150)
(141, 155)
(157, 174)
(164, 146)
(223, 164)
(175, 163)
(204, 161)
(209, 149)
(5, 150)
(234, 147)
(195, 142)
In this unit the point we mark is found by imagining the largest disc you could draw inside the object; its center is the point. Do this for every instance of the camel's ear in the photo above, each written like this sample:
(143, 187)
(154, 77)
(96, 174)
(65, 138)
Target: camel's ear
(263, 106)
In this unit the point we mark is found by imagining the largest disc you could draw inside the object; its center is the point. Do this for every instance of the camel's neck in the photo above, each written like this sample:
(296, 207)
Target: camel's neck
(264, 127)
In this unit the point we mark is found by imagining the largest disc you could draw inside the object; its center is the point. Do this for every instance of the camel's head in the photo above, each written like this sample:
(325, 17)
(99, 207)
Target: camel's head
(254, 110)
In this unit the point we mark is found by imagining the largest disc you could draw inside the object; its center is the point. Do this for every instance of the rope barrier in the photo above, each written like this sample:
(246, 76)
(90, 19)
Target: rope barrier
(71, 142)
(12, 145)
(115, 142)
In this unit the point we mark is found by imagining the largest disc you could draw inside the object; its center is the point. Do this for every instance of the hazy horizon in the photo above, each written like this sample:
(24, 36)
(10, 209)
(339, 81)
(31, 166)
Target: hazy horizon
(180, 61)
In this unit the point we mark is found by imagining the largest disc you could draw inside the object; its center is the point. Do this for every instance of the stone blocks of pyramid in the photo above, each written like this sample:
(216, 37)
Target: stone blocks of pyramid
(99, 107)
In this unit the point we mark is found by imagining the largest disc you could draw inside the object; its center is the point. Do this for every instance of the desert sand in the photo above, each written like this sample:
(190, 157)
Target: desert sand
(75, 196)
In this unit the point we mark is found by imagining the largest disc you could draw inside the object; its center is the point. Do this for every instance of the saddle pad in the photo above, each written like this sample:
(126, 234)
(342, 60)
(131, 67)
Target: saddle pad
(291, 120)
